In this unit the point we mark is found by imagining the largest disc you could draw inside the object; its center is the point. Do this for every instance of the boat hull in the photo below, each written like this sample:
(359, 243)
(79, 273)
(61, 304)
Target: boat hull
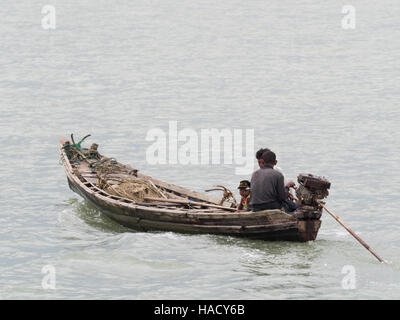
(145, 220)
(270, 225)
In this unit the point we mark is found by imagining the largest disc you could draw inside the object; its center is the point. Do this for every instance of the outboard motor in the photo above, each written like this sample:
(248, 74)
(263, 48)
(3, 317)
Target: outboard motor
(311, 190)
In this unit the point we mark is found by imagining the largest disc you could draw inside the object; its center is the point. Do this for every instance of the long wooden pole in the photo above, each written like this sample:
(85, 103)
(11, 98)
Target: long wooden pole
(352, 233)
(190, 202)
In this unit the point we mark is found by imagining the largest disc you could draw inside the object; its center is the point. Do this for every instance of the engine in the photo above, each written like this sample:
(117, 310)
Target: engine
(311, 189)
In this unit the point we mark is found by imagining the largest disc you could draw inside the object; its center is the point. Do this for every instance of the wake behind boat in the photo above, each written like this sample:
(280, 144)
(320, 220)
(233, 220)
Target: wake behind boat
(144, 203)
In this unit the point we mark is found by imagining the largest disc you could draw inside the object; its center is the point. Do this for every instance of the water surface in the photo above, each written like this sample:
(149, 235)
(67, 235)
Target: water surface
(323, 98)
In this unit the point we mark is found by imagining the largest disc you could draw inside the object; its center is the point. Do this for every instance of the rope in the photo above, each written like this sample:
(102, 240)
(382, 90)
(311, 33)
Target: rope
(127, 186)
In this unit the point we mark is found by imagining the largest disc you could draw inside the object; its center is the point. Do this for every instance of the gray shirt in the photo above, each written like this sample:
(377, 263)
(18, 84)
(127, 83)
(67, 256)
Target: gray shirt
(267, 185)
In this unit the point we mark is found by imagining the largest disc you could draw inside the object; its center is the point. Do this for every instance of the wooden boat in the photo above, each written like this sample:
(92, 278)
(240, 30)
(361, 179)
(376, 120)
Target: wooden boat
(183, 210)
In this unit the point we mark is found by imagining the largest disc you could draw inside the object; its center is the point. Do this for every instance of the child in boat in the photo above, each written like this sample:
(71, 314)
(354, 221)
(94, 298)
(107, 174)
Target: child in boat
(244, 190)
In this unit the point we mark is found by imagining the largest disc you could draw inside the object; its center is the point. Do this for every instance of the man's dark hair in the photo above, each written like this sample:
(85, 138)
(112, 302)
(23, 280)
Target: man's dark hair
(260, 152)
(268, 156)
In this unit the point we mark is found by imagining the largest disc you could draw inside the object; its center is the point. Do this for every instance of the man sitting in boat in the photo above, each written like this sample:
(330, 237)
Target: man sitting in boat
(244, 190)
(268, 190)
(288, 183)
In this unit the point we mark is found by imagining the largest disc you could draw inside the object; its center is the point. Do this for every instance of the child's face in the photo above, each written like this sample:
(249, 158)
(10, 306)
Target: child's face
(244, 193)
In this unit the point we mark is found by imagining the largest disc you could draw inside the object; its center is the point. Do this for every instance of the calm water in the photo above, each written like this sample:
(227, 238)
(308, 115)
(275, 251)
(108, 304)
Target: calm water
(325, 99)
